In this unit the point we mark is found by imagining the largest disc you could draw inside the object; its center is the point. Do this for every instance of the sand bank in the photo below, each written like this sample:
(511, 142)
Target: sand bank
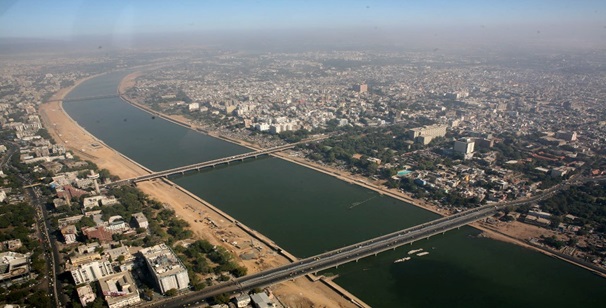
(205, 221)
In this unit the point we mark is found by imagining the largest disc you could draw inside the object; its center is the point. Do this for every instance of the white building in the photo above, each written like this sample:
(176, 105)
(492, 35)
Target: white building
(262, 127)
(116, 224)
(193, 106)
(140, 220)
(92, 271)
(86, 295)
(119, 290)
(464, 146)
(167, 269)
(426, 133)
(14, 265)
(91, 202)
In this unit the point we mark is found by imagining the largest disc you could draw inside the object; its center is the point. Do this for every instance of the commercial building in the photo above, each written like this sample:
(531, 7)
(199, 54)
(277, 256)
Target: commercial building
(14, 266)
(166, 268)
(426, 133)
(91, 272)
(464, 146)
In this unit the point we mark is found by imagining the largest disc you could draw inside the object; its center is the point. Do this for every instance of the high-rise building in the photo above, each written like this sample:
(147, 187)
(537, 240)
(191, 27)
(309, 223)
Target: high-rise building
(464, 146)
(166, 268)
(361, 88)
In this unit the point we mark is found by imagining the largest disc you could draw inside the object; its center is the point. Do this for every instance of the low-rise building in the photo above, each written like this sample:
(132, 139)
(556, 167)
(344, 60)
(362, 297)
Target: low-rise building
(14, 265)
(69, 234)
(140, 221)
(86, 295)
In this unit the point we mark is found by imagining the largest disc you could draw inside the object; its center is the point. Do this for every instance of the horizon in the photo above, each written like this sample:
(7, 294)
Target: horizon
(433, 23)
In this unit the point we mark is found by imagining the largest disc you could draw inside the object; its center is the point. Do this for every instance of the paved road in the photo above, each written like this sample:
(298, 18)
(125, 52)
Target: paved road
(212, 163)
(335, 257)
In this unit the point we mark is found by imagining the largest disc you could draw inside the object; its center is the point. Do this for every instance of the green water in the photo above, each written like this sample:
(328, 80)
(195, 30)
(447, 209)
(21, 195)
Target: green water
(306, 212)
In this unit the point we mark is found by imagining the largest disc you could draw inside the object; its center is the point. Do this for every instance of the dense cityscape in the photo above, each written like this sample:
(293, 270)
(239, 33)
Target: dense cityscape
(449, 131)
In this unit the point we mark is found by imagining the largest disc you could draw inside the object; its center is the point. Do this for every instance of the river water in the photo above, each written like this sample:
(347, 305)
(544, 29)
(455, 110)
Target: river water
(307, 212)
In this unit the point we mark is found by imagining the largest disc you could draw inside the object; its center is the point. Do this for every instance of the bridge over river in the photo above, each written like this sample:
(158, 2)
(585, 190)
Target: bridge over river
(88, 98)
(213, 163)
(353, 253)
(336, 257)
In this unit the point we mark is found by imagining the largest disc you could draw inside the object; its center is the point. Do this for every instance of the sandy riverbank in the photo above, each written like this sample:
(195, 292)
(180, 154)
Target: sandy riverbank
(204, 221)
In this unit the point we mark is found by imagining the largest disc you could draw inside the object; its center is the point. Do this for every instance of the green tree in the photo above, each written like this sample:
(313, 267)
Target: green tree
(171, 292)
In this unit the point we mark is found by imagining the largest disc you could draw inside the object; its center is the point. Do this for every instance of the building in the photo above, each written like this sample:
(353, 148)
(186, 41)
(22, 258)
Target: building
(84, 258)
(464, 146)
(426, 133)
(166, 268)
(116, 224)
(119, 290)
(193, 107)
(92, 271)
(92, 202)
(263, 127)
(63, 222)
(282, 127)
(261, 300)
(139, 220)
(361, 88)
(99, 233)
(69, 234)
(122, 254)
(12, 245)
(86, 295)
(14, 266)
(566, 136)
(241, 301)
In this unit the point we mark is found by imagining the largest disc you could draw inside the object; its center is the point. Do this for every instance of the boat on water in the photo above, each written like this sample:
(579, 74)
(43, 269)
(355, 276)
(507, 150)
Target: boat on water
(415, 251)
(420, 254)
(401, 260)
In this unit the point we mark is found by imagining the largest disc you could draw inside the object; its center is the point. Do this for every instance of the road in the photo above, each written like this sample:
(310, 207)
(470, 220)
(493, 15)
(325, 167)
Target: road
(360, 250)
(336, 257)
(51, 253)
(213, 163)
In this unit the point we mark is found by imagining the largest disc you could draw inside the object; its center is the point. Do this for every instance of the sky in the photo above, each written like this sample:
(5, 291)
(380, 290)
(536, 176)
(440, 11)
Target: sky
(65, 18)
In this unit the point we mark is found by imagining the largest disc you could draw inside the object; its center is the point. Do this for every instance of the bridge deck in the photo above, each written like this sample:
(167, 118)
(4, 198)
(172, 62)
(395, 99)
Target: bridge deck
(342, 255)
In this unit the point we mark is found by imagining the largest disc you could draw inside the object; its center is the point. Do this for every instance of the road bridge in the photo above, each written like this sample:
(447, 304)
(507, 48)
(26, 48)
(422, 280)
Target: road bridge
(213, 163)
(88, 98)
(337, 257)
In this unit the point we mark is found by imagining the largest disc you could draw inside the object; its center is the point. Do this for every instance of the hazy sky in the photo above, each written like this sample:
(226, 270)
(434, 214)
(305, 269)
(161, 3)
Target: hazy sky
(60, 19)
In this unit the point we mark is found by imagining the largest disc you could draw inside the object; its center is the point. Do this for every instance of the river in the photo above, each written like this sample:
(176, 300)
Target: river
(307, 212)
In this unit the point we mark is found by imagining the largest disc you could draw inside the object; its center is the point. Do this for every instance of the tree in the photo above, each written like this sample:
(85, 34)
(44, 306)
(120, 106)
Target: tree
(171, 292)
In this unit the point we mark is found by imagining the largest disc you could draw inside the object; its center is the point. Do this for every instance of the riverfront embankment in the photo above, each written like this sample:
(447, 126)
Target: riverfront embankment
(205, 220)
(515, 233)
